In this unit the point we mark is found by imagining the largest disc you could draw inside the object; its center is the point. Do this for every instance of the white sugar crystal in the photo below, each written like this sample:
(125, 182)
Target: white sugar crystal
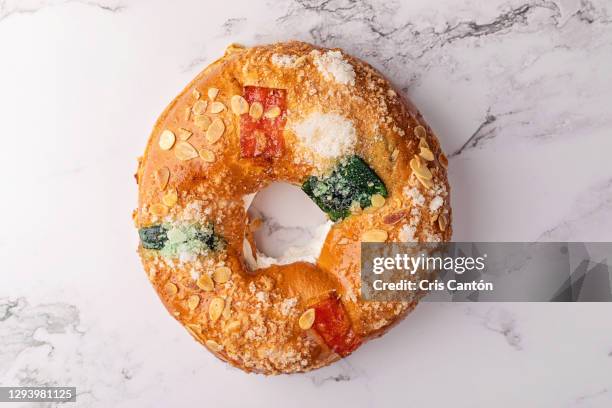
(334, 67)
(283, 60)
(436, 203)
(415, 195)
(327, 134)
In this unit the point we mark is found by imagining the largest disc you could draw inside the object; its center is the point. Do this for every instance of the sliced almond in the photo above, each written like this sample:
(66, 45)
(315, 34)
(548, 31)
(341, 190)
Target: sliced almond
(199, 107)
(205, 283)
(307, 319)
(394, 218)
(423, 143)
(159, 209)
(184, 134)
(207, 155)
(212, 93)
(394, 154)
(162, 176)
(217, 107)
(184, 151)
(227, 310)
(239, 105)
(170, 198)
(193, 301)
(442, 222)
(232, 326)
(196, 94)
(256, 110)
(215, 130)
(187, 113)
(273, 112)
(426, 154)
(443, 160)
(171, 289)
(222, 274)
(374, 235)
(166, 140)
(426, 183)
(194, 329)
(214, 346)
(420, 169)
(215, 308)
(377, 200)
(420, 131)
(202, 122)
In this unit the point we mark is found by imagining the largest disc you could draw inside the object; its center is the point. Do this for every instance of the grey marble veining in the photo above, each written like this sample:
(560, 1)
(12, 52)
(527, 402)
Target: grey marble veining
(517, 91)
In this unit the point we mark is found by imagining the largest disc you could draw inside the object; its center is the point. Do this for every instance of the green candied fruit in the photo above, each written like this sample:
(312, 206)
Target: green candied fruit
(173, 240)
(153, 237)
(352, 180)
(190, 239)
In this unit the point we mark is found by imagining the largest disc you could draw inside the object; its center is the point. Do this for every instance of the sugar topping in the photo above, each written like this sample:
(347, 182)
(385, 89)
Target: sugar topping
(283, 60)
(436, 203)
(415, 195)
(334, 67)
(406, 234)
(327, 134)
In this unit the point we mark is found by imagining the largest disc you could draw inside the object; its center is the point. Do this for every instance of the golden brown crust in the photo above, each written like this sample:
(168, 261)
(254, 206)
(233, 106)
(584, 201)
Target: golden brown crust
(251, 319)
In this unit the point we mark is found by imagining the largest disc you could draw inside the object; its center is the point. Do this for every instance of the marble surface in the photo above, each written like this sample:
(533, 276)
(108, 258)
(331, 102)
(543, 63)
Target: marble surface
(517, 90)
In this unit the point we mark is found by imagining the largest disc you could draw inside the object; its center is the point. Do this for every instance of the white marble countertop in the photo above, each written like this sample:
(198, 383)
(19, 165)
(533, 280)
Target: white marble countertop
(519, 92)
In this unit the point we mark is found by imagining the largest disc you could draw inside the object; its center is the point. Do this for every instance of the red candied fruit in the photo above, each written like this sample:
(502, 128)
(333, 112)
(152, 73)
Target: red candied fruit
(263, 137)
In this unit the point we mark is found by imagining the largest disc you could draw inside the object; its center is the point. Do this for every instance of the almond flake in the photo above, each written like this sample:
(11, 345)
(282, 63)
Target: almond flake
(256, 110)
(166, 140)
(394, 218)
(420, 169)
(374, 235)
(170, 289)
(187, 113)
(232, 326)
(193, 302)
(307, 319)
(213, 346)
(184, 151)
(199, 107)
(426, 154)
(420, 131)
(377, 200)
(215, 308)
(215, 130)
(442, 222)
(394, 154)
(426, 183)
(159, 209)
(202, 122)
(443, 160)
(170, 198)
(423, 143)
(205, 283)
(217, 107)
(239, 105)
(273, 112)
(212, 93)
(207, 155)
(184, 134)
(162, 176)
(222, 274)
(196, 94)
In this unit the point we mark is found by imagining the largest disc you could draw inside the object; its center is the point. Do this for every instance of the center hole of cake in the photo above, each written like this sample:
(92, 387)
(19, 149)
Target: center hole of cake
(289, 226)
